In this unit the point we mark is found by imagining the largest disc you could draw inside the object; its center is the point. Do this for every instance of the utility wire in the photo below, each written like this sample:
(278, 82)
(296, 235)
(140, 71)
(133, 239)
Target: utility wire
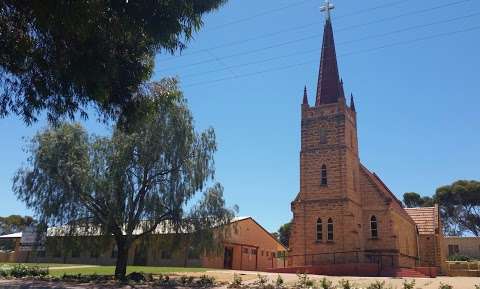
(238, 42)
(319, 35)
(345, 54)
(221, 26)
(310, 51)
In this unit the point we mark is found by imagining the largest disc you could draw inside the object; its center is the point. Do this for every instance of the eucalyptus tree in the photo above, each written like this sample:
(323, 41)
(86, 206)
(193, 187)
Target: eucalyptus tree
(60, 57)
(142, 178)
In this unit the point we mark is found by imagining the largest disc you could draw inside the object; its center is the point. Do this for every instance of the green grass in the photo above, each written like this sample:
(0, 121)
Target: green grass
(109, 270)
(106, 270)
(40, 264)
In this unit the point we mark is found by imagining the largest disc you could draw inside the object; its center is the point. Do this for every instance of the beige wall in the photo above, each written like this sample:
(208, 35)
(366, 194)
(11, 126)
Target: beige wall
(468, 246)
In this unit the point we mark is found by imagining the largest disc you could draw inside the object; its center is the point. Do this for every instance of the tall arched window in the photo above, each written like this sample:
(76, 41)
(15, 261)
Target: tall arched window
(330, 229)
(374, 227)
(324, 180)
(319, 230)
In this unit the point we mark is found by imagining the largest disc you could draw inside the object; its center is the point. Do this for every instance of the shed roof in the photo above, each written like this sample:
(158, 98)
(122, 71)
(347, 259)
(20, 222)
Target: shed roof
(12, 236)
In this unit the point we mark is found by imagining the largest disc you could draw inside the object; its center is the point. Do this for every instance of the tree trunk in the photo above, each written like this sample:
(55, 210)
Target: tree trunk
(122, 258)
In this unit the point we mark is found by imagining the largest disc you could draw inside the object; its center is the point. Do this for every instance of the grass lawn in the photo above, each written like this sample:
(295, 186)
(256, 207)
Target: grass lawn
(109, 270)
(105, 270)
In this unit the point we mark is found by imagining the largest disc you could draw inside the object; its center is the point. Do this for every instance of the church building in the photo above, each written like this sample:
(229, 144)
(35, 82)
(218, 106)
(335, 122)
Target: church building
(344, 213)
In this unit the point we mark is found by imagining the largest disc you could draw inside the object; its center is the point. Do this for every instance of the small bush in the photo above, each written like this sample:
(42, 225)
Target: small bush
(21, 270)
(261, 281)
(237, 281)
(304, 281)
(408, 285)
(445, 286)
(136, 277)
(377, 285)
(345, 284)
(279, 283)
(326, 284)
(186, 280)
(458, 258)
(206, 281)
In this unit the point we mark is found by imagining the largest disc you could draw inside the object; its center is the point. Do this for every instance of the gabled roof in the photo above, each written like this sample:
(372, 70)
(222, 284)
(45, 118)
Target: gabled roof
(425, 218)
(239, 219)
(388, 195)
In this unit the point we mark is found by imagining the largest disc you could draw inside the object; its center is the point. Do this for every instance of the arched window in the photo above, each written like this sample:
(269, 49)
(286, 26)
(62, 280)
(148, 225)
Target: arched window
(330, 230)
(324, 180)
(319, 229)
(374, 227)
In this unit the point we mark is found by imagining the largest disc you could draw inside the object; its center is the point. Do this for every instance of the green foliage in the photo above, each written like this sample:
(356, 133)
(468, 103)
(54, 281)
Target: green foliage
(206, 281)
(345, 284)
(326, 284)
(62, 56)
(21, 270)
(279, 282)
(412, 200)
(445, 286)
(237, 281)
(261, 281)
(186, 280)
(458, 258)
(284, 233)
(145, 174)
(460, 207)
(377, 285)
(408, 285)
(303, 281)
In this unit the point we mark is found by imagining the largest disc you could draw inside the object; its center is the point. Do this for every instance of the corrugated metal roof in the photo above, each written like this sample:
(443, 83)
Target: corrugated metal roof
(11, 236)
(424, 218)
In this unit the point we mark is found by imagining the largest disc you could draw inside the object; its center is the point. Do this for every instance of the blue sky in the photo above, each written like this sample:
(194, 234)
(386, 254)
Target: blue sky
(413, 72)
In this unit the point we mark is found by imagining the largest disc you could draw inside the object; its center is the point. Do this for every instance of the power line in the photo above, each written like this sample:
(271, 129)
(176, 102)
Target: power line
(310, 51)
(319, 35)
(221, 26)
(345, 54)
(238, 42)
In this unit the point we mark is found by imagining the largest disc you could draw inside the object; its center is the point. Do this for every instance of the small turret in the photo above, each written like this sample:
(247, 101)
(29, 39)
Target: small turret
(305, 96)
(352, 103)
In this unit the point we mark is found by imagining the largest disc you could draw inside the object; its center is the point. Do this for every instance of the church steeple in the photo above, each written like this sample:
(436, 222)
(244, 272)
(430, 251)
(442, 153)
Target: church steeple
(329, 87)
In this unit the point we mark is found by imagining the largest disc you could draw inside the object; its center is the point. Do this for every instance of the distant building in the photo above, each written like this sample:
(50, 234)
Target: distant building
(247, 246)
(462, 246)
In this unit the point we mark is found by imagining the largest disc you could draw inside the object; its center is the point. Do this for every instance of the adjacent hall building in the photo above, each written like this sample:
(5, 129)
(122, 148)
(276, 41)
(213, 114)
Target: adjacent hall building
(246, 246)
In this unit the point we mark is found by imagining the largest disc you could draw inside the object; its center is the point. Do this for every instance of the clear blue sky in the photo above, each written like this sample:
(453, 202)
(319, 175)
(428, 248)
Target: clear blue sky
(418, 102)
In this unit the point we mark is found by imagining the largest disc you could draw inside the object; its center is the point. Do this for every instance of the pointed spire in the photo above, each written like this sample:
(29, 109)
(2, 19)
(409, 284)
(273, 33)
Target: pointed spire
(342, 92)
(352, 103)
(329, 86)
(305, 96)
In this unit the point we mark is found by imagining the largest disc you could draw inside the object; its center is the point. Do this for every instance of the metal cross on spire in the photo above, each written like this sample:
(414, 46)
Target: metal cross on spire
(326, 8)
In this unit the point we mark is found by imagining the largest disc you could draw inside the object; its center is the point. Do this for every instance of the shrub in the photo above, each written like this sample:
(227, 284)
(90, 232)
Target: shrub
(326, 284)
(445, 286)
(136, 277)
(237, 281)
(345, 284)
(279, 282)
(186, 280)
(458, 258)
(206, 281)
(304, 281)
(408, 285)
(21, 270)
(261, 281)
(377, 285)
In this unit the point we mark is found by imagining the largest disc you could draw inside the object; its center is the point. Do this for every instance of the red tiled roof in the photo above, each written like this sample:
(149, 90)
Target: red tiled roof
(425, 218)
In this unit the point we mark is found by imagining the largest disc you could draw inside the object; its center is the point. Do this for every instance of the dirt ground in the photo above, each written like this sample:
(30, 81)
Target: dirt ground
(250, 277)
